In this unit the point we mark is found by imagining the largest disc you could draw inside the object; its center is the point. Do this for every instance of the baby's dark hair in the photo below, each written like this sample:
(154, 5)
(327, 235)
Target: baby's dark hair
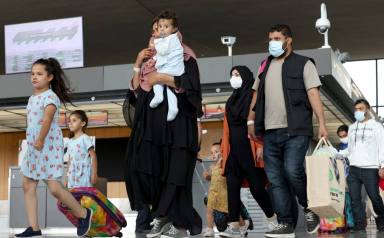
(169, 15)
(82, 116)
(59, 84)
(216, 144)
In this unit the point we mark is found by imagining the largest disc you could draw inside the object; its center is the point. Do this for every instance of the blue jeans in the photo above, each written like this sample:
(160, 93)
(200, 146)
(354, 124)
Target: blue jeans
(370, 179)
(284, 157)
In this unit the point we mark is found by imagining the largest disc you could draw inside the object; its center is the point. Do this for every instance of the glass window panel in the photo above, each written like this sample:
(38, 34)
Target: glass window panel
(381, 113)
(363, 73)
(380, 70)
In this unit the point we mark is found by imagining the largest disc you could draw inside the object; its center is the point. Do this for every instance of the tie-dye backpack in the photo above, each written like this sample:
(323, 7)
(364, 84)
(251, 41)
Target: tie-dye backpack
(107, 220)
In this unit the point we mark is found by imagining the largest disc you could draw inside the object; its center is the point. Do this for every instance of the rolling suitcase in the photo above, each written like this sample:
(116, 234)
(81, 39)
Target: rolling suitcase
(107, 220)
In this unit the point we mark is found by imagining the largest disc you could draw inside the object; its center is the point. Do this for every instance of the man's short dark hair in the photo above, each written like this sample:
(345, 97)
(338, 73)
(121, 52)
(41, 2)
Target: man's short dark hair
(283, 29)
(169, 15)
(363, 101)
(342, 128)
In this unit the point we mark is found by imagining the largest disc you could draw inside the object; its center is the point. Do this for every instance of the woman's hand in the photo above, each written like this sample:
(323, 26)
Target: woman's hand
(143, 54)
(259, 154)
(251, 132)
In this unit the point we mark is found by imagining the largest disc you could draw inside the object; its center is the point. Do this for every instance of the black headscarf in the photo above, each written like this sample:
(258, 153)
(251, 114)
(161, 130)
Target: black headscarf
(237, 106)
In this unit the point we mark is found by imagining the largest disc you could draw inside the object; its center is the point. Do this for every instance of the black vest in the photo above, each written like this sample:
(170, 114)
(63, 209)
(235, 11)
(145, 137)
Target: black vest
(299, 110)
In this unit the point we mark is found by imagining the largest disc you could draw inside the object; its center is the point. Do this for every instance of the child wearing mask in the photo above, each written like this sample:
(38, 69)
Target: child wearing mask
(342, 223)
(342, 133)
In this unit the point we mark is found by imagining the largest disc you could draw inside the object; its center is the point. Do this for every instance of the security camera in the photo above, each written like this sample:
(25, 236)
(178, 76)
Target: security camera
(228, 40)
(323, 25)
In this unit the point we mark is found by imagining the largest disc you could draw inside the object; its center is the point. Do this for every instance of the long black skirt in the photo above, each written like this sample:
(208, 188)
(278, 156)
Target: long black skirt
(161, 158)
(146, 150)
(176, 201)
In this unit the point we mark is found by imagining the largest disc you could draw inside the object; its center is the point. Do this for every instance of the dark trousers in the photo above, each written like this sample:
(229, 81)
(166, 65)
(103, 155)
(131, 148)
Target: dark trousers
(284, 164)
(256, 178)
(294, 207)
(144, 218)
(370, 179)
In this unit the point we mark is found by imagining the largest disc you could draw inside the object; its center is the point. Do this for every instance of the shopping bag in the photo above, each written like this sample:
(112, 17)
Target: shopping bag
(325, 181)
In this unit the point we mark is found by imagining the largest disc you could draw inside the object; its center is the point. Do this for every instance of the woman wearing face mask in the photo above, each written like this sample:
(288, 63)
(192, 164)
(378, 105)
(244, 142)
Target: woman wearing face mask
(366, 157)
(242, 159)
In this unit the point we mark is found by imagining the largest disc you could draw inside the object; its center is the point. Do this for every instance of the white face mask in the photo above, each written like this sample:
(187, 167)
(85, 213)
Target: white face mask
(236, 82)
(344, 140)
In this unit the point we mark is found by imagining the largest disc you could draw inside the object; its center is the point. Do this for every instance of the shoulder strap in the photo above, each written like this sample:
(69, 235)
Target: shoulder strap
(262, 67)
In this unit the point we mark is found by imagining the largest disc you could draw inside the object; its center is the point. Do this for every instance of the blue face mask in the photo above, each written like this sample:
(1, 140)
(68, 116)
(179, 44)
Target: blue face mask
(276, 48)
(359, 116)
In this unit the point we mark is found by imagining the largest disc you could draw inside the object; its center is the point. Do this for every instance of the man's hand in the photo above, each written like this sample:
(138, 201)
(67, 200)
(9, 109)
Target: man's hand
(323, 132)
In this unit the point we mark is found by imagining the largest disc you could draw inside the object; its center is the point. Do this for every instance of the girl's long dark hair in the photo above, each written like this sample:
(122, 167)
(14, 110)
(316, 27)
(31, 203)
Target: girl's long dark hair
(60, 83)
(82, 116)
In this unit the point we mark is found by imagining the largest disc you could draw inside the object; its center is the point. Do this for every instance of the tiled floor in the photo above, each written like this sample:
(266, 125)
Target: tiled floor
(253, 235)
(128, 232)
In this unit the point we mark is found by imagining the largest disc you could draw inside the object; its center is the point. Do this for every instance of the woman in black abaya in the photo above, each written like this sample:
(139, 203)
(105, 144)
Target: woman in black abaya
(242, 160)
(162, 155)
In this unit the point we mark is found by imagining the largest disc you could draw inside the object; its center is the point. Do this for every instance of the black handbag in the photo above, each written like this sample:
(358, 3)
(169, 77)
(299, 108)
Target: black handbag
(129, 108)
